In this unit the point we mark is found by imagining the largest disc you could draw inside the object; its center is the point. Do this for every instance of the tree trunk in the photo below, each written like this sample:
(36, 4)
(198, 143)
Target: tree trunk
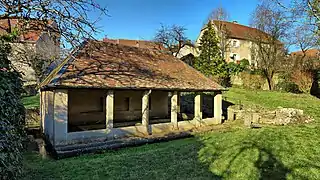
(269, 77)
(270, 83)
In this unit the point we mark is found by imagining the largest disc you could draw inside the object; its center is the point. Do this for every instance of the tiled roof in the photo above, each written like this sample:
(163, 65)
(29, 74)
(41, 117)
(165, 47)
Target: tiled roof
(136, 43)
(239, 31)
(309, 53)
(30, 30)
(101, 64)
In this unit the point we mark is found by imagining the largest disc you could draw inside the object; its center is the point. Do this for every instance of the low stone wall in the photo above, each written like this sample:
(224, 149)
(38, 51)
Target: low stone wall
(252, 81)
(280, 116)
(32, 118)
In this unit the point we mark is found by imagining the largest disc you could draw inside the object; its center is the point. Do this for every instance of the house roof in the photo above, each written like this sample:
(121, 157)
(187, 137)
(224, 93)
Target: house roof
(136, 43)
(30, 29)
(309, 53)
(99, 64)
(239, 31)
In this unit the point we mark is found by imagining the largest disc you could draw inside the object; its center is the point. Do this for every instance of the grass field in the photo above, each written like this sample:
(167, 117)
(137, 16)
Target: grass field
(31, 101)
(284, 152)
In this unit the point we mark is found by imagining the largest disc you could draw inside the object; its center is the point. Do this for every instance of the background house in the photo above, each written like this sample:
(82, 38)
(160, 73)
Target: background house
(236, 41)
(35, 40)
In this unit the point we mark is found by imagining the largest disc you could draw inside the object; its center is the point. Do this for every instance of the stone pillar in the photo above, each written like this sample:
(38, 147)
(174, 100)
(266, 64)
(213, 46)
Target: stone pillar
(198, 108)
(175, 108)
(42, 110)
(60, 116)
(109, 109)
(217, 111)
(145, 109)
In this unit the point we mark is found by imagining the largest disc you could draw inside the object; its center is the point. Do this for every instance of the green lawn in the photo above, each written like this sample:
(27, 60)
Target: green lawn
(284, 152)
(31, 101)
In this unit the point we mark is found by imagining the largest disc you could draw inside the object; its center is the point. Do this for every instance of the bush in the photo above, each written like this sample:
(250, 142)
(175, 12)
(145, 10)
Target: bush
(237, 68)
(11, 118)
(252, 80)
(288, 86)
(303, 79)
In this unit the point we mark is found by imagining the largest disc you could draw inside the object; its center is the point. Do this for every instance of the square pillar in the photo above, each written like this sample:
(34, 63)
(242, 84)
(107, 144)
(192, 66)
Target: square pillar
(42, 110)
(217, 111)
(60, 116)
(198, 108)
(145, 108)
(175, 108)
(109, 109)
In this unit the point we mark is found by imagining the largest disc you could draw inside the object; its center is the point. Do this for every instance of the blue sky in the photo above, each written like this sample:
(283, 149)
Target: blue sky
(139, 19)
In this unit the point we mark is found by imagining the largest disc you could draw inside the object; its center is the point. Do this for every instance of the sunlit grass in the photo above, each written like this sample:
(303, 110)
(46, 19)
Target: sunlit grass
(283, 152)
(31, 101)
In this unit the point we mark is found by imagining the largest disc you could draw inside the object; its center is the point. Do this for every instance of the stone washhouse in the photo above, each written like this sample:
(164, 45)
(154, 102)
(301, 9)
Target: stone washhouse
(109, 91)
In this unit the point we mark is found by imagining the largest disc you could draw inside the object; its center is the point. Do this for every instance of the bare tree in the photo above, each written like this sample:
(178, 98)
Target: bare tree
(65, 22)
(218, 13)
(173, 38)
(267, 50)
(303, 12)
(70, 17)
(218, 17)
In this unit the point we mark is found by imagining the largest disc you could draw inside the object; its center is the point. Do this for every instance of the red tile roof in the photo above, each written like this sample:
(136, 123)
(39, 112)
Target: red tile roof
(309, 53)
(136, 43)
(239, 31)
(106, 65)
(30, 29)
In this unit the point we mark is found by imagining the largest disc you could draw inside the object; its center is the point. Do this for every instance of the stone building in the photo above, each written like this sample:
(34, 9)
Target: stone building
(109, 91)
(236, 41)
(35, 39)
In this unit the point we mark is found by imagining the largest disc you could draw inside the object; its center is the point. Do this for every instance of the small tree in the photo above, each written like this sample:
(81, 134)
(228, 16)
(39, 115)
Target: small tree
(267, 50)
(219, 15)
(173, 38)
(210, 61)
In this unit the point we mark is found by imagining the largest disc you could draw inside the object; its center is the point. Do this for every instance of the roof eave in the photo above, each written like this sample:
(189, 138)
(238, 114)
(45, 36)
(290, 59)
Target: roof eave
(50, 86)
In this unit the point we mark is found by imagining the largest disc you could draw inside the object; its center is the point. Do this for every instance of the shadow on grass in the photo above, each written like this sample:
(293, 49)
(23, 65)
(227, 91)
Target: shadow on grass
(242, 157)
(176, 159)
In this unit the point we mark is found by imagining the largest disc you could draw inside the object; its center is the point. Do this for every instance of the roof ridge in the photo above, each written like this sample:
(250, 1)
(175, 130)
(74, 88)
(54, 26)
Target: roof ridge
(52, 75)
(238, 24)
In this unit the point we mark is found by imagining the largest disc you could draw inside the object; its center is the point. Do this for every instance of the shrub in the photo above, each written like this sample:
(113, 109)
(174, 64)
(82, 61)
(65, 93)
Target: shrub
(303, 79)
(11, 118)
(288, 86)
(252, 80)
(237, 68)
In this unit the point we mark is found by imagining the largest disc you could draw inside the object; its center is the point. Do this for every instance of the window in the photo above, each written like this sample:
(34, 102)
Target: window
(233, 57)
(234, 43)
(101, 104)
(126, 104)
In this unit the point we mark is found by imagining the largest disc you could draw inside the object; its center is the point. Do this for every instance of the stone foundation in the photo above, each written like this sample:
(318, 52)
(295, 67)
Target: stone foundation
(280, 116)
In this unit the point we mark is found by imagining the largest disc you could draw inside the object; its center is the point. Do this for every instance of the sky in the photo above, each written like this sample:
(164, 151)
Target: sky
(140, 19)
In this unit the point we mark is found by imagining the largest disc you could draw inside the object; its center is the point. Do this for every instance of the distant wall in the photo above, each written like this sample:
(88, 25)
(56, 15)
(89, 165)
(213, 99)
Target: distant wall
(86, 106)
(128, 105)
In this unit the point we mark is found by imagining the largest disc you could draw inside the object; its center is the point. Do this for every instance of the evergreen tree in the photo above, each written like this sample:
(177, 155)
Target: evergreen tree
(210, 61)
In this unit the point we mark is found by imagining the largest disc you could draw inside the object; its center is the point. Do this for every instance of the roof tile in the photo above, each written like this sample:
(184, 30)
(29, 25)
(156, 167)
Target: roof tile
(107, 65)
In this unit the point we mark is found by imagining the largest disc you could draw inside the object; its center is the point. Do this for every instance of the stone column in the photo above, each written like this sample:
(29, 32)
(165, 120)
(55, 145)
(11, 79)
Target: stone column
(145, 110)
(217, 111)
(198, 108)
(175, 108)
(42, 110)
(109, 109)
(60, 116)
